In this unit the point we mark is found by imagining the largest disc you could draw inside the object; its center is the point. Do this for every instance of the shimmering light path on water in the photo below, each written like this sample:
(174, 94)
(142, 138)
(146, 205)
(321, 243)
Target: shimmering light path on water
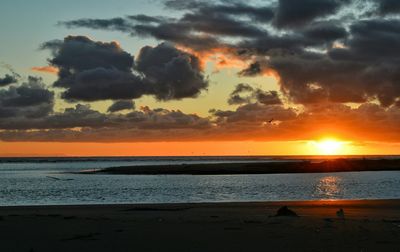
(33, 183)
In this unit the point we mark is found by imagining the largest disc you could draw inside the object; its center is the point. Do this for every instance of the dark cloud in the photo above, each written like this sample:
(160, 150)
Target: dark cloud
(236, 97)
(388, 6)
(366, 67)
(256, 13)
(313, 78)
(300, 12)
(206, 26)
(221, 19)
(79, 116)
(141, 18)
(318, 35)
(328, 63)
(84, 117)
(254, 114)
(252, 70)
(79, 53)
(273, 46)
(102, 84)
(159, 119)
(118, 24)
(171, 73)
(91, 71)
(164, 30)
(244, 93)
(29, 100)
(123, 24)
(215, 20)
(249, 121)
(268, 97)
(373, 40)
(325, 31)
(7, 80)
(215, 23)
(179, 34)
(121, 105)
(185, 5)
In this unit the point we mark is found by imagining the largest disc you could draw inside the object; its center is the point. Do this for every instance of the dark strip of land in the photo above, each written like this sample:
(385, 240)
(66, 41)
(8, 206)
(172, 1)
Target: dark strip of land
(335, 165)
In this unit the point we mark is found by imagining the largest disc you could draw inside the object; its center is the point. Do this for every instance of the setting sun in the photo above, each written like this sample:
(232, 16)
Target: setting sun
(329, 147)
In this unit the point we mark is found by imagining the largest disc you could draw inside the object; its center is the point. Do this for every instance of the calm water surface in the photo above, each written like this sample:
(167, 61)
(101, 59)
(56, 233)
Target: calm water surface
(28, 183)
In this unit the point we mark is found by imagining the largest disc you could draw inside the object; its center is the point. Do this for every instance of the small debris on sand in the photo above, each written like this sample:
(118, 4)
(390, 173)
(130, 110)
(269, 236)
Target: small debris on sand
(285, 211)
(340, 213)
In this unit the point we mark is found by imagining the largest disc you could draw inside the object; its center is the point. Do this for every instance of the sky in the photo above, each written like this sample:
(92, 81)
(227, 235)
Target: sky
(181, 77)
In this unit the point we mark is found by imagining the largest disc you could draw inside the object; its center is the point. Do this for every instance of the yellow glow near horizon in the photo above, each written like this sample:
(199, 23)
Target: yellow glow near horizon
(216, 148)
(330, 147)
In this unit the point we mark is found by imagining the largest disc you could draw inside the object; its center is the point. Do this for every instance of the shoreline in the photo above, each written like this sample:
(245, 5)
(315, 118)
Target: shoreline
(334, 165)
(368, 225)
(328, 202)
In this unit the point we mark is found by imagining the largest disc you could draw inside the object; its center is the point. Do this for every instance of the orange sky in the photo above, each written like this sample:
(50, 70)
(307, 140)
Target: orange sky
(189, 148)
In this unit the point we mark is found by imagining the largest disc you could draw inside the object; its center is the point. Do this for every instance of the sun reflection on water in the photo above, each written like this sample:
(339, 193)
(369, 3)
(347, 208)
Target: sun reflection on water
(328, 187)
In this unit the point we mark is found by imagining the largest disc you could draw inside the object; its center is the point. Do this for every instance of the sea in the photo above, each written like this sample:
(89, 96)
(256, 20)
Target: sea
(55, 181)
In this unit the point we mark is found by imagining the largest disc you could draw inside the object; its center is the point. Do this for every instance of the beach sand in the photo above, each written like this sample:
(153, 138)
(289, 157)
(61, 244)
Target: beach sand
(372, 225)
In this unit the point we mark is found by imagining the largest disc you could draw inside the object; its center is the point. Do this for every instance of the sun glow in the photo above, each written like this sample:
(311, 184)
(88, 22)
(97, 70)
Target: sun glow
(329, 147)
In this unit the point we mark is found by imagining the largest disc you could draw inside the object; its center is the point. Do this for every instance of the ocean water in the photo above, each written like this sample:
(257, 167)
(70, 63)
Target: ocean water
(31, 182)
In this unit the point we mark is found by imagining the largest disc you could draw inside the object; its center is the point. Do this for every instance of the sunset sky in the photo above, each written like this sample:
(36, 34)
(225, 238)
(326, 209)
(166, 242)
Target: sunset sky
(181, 77)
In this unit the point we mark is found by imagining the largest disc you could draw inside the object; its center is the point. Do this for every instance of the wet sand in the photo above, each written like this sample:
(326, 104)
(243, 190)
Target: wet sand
(334, 165)
(372, 225)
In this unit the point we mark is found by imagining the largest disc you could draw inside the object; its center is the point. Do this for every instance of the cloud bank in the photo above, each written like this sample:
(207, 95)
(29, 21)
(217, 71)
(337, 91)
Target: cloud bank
(336, 63)
(327, 50)
(93, 70)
